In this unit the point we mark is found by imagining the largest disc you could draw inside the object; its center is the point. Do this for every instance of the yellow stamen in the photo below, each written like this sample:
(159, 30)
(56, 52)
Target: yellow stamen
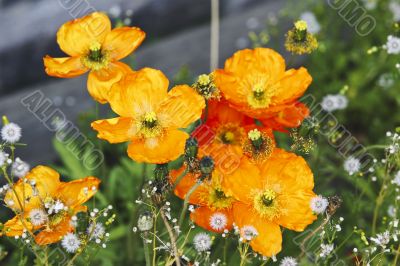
(204, 80)
(300, 25)
(150, 117)
(254, 134)
(266, 204)
(261, 93)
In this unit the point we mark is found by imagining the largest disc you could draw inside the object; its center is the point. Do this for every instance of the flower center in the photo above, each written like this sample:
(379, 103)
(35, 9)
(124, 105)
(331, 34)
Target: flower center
(230, 134)
(218, 199)
(96, 58)
(261, 94)
(258, 145)
(266, 204)
(149, 126)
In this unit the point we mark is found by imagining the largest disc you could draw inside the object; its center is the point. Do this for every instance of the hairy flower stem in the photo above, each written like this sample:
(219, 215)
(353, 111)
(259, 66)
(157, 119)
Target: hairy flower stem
(146, 252)
(315, 231)
(172, 238)
(397, 256)
(186, 202)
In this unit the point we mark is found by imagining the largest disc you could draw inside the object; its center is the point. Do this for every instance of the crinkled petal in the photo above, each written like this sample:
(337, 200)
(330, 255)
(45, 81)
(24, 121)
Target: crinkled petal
(65, 67)
(139, 92)
(77, 192)
(100, 81)
(76, 36)
(163, 149)
(293, 85)
(286, 172)
(182, 107)
(54, 234)
(242, 182)
(122, 41)
(115, 130)
(268, 242)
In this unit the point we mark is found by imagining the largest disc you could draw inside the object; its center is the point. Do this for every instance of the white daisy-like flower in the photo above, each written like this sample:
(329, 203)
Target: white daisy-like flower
(3, 158)
(386, 80)
(202, 242)
(248, 232)
(382, 239)
(341, 102)
(394, 6)
(70, 243)
(331, 102)
(396, 179)
(328, 103)
(96, 231)
(37, 216)
(393, 45)
(392, 211)
(11, 133)
(19, 168)
(312, 23)
(318, 204)
(326, 249)
(218, 221)
(54, 206)
(352, 165)
(288, 261)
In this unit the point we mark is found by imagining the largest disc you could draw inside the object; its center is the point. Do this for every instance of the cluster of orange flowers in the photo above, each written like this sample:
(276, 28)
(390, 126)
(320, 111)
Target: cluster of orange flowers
(254, 186)
(44, 205)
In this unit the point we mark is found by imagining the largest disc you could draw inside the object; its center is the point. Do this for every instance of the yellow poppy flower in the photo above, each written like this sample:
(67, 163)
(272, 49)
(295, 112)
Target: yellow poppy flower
(279, 194)
(150, 116)
(93, 46)
(45, 205)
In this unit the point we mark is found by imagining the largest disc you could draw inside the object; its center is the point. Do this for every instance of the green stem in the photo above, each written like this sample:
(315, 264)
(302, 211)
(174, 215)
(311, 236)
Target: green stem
(146, 252)
(178, 180)
(186, 202)
(172, 238)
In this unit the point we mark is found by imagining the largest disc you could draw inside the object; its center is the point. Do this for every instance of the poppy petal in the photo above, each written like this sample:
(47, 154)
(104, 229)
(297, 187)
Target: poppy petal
(76, 36)
(79, 191)
(55, 234)
(139, 92)
(182, 107)
(202, 216)
(115, 130)
(120, 42)
(65, 67)
(100, 81)
(293, 85)
(268, 241)
(164, 149)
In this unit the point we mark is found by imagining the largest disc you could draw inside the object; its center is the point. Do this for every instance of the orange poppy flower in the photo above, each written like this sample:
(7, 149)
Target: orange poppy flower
(214, 212)
(256, 83)
(45, 205)
(225, 135)
(93, 46)
(277, 195)
(150, 116)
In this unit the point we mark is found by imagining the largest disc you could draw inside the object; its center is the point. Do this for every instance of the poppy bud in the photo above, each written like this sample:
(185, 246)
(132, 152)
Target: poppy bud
(206, 166)
(161, 171)
(191, 148)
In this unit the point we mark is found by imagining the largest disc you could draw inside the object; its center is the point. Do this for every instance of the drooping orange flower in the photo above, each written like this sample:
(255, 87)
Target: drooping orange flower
(278, 195)
(150, 116)
(45, 205)
(257, 84)
(93, 46)
(225, 135)
(214, 207)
